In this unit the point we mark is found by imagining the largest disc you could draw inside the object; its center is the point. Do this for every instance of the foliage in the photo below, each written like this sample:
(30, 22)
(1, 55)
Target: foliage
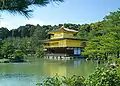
(74, 81)
(51, 81)
(7, 49)
(40, 52)
(86, 31)
(4, 33)
(105, 45)
(63, 81)
(17, 56)
(103, 77)
(10, 50)
(23, 6)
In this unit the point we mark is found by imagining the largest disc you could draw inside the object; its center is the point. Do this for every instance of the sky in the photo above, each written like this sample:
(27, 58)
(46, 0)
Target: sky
(70, 11)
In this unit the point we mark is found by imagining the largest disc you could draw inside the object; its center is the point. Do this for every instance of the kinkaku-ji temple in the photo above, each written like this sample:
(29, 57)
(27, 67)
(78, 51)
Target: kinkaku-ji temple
(63, 43)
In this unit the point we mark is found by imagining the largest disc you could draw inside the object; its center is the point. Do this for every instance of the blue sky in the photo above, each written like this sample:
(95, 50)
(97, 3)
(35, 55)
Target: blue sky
(71, 11)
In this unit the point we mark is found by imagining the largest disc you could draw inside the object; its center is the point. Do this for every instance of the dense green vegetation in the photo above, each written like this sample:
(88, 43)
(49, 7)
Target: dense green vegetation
(101, 77)
(106, 44)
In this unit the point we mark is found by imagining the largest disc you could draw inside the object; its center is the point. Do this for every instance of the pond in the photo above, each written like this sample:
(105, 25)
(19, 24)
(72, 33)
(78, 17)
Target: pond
(30, 73)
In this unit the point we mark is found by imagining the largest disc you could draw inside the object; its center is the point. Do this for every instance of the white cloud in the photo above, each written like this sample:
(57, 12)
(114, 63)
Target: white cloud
(13, 24)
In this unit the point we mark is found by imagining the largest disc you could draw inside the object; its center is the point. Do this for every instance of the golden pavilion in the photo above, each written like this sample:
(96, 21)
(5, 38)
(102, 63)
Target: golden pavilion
(63, 42)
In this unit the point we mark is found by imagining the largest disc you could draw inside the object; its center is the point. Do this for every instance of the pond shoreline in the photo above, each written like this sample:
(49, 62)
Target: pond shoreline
(9, 61)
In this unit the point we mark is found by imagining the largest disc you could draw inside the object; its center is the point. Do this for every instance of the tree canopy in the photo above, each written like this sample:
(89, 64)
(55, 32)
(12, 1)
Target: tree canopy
(23, 6)
(106, 45)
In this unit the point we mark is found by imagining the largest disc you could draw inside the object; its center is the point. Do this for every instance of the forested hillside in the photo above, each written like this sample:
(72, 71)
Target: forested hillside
(28, 39)
(85, 30)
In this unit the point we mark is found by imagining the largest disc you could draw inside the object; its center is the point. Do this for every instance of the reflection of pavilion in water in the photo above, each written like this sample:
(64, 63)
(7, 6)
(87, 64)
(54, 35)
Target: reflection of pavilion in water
(55, 68)
(78, 67)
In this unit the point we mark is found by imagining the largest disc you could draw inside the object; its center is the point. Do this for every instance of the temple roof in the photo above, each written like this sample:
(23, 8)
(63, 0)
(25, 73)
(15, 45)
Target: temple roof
(71, 30)
(63, 28)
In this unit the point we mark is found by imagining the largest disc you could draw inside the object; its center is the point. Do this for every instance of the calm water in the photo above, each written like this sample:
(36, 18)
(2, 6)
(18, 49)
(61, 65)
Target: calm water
(28, 74)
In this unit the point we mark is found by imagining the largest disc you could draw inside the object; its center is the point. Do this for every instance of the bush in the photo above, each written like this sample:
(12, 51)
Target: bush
(63, 81)
(51, 81)
(40, 52)
(74, 81)
(17, 56)
(103, 77)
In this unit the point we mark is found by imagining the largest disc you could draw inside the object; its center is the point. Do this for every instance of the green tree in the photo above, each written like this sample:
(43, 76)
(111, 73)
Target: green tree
(7, 49)
(17, 56)
(4, 33)
(23, 6)
(105, 44)
(40, 51)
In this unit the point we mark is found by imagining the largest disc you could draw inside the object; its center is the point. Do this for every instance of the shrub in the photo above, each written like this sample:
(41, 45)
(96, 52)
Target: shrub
(17, 56)
(74, 81)
(103, 77)
(63, 81)
(51, 81)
